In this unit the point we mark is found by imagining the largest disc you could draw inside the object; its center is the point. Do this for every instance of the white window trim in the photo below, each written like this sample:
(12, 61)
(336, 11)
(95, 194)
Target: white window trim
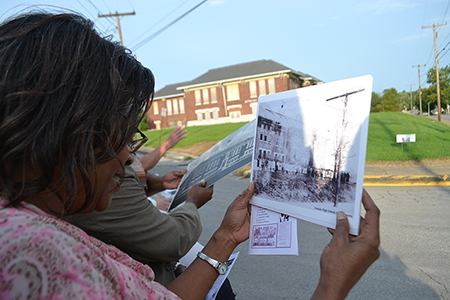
(198, 100)
(213, 95)
(181, 106)
(255, 95)
(228, 96)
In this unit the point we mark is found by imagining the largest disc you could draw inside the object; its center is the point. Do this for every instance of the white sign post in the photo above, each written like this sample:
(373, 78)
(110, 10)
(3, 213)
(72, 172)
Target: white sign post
(163, 114)
(406, 138)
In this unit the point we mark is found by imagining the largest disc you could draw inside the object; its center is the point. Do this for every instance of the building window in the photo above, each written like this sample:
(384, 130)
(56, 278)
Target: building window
(205, 96)
(235, 114)
(207, 115)
(253, 92)
(215, 114)
(172, 124)
(262, 87)
(213, 95)
(233, 92)
(169, 107)
(198, 97)
(271, 82)
(181, 106)
(155, 108)
(175, 106)
(199, 116)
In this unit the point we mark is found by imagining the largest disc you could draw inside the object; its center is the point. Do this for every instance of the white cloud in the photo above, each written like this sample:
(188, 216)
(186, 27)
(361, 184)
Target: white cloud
(411, 37)
(385, 6)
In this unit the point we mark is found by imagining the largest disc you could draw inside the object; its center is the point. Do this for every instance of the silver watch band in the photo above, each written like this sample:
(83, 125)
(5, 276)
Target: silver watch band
(214, 263)
(220, 267)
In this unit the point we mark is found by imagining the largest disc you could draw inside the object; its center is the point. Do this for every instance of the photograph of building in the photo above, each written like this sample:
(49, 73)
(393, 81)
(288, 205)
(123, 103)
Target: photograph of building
(309, 150)
(223, 95)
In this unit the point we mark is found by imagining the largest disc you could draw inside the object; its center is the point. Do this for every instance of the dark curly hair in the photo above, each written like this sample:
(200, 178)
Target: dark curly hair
(69, 100)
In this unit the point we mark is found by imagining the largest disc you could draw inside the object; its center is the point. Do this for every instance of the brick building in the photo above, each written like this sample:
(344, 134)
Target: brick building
(223, 95)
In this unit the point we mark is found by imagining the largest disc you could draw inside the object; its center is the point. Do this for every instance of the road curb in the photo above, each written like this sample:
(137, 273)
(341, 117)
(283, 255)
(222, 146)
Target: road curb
(402, 180)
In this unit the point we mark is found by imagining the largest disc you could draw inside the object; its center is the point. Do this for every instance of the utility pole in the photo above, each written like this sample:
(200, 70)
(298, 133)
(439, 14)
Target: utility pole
(437, 67)
(420, 89)
(118, 21)
(410, 92)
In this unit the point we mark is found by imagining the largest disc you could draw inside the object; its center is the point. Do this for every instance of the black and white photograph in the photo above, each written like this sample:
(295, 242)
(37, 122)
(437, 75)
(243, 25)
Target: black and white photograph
(230, 154)
(264, 236)
(309, 151)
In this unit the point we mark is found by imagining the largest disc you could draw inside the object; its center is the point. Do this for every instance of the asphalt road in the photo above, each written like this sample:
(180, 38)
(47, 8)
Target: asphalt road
(415, 247)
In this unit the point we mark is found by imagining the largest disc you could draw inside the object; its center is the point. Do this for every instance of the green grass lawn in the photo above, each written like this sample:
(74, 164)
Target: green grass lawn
(432, 138)
(196, 134)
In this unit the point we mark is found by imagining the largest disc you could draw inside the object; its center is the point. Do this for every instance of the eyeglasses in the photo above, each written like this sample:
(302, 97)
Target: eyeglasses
(139, 139)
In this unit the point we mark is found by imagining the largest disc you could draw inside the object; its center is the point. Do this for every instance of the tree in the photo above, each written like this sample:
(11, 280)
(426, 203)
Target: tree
(375, 104)
(390, 100)
(405, 100)
(444, 86)
(429, 96)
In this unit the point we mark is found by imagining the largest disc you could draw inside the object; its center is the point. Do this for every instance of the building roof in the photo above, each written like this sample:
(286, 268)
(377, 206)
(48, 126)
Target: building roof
(242, 71)
(170, 91)
(248, 70)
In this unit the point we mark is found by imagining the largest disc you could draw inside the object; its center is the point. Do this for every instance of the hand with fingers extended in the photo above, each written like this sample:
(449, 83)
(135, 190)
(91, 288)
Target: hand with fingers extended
(177, 135)
(199, 194)
(346, 258)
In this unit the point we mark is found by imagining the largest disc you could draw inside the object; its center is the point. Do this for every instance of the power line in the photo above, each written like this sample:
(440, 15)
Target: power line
(444, 53)
(106, 5)
(129, 2)
(88, 11)
(116, 14)
(443, 48)
(165, 17)
(152, 36)
(99, 12)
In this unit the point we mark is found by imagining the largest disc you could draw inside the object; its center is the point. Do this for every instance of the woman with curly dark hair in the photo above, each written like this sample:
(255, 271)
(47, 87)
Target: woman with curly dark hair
(70, 102)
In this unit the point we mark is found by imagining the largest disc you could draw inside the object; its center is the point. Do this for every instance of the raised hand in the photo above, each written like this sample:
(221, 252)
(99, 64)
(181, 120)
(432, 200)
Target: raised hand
(177, 135)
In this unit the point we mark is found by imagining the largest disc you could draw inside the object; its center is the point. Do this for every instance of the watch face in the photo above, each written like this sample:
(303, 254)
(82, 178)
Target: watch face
(222, 269)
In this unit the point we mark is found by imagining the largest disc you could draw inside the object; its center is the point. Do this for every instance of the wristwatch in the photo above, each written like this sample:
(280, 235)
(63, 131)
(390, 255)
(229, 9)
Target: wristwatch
(220, 267)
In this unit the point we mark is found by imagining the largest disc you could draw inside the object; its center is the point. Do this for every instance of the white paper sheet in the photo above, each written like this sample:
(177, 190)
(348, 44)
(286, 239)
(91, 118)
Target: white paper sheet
(272, 233)
(219, 281)
(309, 151)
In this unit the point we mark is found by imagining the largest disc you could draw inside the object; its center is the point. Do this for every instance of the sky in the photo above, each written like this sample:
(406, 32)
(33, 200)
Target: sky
(330, 40)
